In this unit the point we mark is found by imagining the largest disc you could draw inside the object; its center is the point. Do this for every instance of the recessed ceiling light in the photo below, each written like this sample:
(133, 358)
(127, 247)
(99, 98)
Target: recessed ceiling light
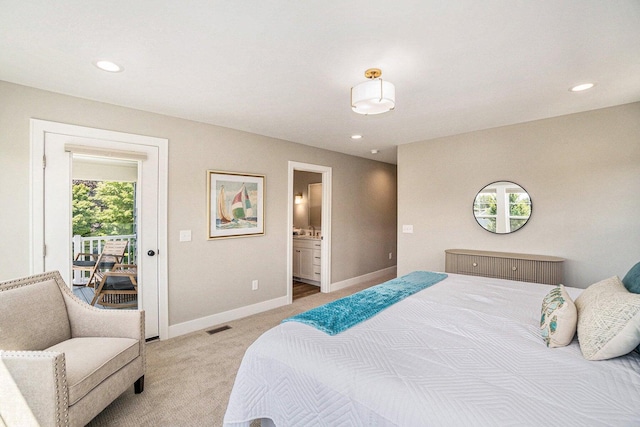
(109, 66)
(374, 151)
(581, 87)
(356, 136)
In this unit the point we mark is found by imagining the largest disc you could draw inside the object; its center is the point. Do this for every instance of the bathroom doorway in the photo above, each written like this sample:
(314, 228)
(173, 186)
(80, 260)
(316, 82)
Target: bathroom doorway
(309, 228)
(307, 234)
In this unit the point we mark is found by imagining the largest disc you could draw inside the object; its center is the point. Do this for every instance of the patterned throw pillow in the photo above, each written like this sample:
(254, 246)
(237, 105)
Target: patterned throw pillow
(608, 320)
(559, 318)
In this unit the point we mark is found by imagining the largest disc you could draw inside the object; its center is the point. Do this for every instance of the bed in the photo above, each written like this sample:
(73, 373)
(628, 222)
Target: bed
(466, 351)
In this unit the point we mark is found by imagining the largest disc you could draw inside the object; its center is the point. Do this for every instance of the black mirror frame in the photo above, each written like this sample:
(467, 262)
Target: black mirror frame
(495, 232)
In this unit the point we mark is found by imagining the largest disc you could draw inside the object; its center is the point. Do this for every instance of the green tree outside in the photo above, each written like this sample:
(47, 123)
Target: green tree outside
(519, 205)
(116, 217)
(84, 210)
(103, 208)
(486, 204)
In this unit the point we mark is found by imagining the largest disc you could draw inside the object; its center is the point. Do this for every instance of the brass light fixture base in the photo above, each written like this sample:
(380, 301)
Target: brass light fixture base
(373, 73)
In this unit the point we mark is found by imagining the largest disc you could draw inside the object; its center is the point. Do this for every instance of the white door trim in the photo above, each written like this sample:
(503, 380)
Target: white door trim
(325, 263)
(39, 129)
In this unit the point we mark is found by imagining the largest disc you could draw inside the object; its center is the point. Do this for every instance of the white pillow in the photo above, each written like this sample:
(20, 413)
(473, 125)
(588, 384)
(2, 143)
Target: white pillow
(608, 320)
(558, 318)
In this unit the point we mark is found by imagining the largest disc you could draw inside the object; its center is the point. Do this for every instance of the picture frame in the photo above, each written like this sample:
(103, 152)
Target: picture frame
(235, 204)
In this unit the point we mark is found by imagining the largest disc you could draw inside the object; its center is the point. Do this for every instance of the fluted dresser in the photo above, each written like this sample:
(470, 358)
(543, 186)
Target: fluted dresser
(505, 265)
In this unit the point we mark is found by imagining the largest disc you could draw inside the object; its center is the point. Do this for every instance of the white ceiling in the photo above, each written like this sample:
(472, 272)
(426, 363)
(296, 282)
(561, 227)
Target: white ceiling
(284, 68)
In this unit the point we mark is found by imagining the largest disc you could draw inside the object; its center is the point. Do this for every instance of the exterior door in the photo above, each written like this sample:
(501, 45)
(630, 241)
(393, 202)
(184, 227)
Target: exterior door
(58, 149)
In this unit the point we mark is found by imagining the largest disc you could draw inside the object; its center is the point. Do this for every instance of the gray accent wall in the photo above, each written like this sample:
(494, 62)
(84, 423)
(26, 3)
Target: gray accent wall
(207, 277)
(582, 172)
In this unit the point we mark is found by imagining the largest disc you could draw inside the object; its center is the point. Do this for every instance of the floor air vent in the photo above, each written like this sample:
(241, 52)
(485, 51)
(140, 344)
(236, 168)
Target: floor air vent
(220, 329)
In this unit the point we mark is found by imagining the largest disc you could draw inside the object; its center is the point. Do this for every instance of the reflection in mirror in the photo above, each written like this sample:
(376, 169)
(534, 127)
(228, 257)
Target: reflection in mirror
(315, 205)
(502, 207)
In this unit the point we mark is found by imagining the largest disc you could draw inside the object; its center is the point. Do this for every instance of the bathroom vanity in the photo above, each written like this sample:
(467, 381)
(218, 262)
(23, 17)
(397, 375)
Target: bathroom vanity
(306, 259)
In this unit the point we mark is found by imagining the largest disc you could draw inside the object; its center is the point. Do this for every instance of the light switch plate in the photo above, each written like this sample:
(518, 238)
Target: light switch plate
(185, 235)
(407, 228)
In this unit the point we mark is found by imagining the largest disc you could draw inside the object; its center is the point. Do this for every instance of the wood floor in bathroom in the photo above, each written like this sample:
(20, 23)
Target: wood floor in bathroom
(301, 290)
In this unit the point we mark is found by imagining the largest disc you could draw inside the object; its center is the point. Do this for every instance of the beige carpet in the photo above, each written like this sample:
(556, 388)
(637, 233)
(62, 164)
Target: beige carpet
(189, 378)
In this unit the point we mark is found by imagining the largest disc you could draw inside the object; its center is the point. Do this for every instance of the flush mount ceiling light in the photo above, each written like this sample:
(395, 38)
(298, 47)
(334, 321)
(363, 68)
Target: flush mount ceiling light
(356, 136)
(581, 87)
(374, 151)
(109, 66)
(374, 96)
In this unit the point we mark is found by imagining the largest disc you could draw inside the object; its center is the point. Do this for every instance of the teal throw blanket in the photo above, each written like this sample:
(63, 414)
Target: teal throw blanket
(340, 315)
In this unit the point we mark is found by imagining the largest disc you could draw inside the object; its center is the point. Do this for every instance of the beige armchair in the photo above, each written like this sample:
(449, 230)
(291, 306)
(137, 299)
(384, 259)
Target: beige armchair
(62, 361)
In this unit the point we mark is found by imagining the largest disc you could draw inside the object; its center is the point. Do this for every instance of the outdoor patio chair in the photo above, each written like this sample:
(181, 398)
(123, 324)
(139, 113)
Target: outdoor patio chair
(112, 253)
(118, 287)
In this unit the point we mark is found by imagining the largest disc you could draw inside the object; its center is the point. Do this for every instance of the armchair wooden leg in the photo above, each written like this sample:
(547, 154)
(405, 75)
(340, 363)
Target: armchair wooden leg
(138, 386)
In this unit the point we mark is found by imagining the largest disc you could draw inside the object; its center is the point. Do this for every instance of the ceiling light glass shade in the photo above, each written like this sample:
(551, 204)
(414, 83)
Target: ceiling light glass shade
(373, 97)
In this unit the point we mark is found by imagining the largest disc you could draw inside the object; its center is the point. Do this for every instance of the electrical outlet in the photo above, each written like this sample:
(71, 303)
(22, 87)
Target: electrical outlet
(390, 255)
(407, 228)
(254, 285)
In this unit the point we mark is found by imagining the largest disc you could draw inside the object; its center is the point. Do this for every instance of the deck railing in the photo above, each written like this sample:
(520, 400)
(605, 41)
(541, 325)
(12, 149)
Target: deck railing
(94, 244)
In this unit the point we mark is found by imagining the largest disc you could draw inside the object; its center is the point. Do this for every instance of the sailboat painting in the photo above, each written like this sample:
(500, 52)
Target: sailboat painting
(236, 204)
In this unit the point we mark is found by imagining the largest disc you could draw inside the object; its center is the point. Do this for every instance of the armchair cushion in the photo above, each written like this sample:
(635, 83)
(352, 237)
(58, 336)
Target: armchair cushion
(47, 324)
(91, 360)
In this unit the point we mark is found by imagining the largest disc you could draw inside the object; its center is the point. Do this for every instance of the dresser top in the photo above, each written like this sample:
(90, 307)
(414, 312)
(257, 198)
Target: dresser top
(504, 255)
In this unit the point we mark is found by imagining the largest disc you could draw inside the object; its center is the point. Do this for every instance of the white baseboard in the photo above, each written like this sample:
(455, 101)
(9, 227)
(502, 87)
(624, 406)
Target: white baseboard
(227, 316)
(238, 313)
(364, 278)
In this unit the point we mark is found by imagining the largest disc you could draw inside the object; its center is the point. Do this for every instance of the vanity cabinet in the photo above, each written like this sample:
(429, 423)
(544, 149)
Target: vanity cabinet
(307, 259)
(505, 265)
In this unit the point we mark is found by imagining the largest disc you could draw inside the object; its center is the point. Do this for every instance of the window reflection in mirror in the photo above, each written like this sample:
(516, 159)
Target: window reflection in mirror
(502, 207)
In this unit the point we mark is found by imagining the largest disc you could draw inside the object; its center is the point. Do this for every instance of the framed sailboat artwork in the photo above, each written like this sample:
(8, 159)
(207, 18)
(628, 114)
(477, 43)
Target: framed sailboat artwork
(235, 204)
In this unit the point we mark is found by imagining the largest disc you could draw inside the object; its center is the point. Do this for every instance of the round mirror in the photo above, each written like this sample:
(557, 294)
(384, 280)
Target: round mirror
(502, 207)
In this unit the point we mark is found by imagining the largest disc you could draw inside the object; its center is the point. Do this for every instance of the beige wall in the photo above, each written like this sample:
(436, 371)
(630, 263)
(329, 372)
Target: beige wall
(582, 172)
(207, 277)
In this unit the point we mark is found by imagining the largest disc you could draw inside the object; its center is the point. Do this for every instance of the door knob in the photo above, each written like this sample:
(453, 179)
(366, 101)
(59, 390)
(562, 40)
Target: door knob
(151, 252)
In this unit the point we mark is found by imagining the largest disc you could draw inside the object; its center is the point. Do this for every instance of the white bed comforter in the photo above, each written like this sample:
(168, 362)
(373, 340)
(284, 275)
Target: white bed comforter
(465, 352)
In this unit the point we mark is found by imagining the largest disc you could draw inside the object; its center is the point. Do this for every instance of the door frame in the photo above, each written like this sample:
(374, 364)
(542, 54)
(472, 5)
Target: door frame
(325, 262)
(39, 129)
